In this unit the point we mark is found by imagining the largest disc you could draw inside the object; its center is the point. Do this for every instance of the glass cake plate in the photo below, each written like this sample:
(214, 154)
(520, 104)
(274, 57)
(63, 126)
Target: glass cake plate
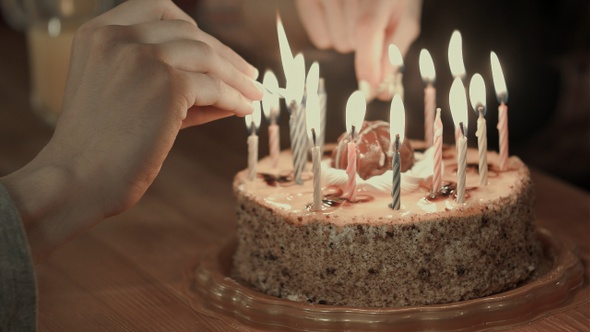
(212, 290)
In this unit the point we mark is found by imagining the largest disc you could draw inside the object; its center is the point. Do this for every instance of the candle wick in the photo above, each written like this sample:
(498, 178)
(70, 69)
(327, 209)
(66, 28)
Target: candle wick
(252, 129)
(396, 142)
(462, 128)
(313, 136)
(352, 132)
(480, 109)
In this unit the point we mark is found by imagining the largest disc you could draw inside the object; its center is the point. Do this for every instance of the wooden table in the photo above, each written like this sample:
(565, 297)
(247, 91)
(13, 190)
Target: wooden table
(126, 274)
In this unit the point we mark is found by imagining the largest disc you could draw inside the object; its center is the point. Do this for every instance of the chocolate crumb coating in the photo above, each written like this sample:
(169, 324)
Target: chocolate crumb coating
(373, 150)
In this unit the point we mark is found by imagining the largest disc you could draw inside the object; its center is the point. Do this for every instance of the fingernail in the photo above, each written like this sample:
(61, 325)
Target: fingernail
(367, 90)
(255, 73)
(261, 88)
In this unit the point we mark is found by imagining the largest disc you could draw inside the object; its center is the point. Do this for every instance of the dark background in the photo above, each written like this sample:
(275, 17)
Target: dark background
(543, 48)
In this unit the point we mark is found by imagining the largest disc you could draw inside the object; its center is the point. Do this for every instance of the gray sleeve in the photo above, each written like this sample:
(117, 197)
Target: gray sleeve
(18, 289)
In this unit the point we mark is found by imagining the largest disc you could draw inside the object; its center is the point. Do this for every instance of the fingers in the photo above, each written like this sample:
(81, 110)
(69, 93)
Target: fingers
(198, 115)
(205, 90)
(370, 37)
(336, 19)
(199, 57)
(140, 11)
(312, 16)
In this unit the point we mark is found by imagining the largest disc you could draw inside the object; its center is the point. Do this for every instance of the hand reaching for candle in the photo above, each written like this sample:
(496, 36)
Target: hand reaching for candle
(139, 73)
(366, 28)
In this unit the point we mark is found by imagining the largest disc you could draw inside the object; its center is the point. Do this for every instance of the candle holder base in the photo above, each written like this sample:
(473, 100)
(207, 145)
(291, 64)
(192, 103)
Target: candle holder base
(210, 289)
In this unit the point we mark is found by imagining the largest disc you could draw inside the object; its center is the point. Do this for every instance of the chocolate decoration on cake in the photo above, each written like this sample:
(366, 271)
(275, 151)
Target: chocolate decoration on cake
(373, 144)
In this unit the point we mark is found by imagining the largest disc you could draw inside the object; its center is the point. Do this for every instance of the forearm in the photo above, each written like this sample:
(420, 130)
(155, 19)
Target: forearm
(51, 204)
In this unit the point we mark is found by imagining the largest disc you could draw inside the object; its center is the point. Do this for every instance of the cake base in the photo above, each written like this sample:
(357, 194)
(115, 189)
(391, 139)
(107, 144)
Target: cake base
(211, 289)
(365, 254)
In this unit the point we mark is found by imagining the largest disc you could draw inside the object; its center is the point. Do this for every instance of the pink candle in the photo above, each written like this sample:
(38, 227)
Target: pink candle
(438, 140)
(429, 107)
(356, 107)
(502, 94)
(351, 172)
(271, 108)
(428, 76)
(503, 132)
(274, 144)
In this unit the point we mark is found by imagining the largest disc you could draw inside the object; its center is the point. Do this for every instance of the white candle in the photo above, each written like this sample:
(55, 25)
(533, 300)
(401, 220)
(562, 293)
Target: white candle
(502, 94)
(458, 104)
(428, 76)
(397, 123)
(477, 94)
(355, 113)
(313, 132)
(438, 140)
(271, 107)
(461, 163)
(397, 61)
(252, 123)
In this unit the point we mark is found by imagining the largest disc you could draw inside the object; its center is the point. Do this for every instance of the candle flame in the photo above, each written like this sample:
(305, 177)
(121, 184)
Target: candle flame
(498, 78)
(270, 101)
(253, 120)
(313, 79)
(477, 93)
(395, 56)
(427, 66)
(397, 119)
(296, 84)
(458, 103)
(356, 106)
(293, 67)
(455, 53)
(284, 48)
(312, 117)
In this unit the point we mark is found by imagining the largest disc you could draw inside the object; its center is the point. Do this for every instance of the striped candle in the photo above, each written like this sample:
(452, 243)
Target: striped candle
(397, 124)
(502, 95)
(477, 93)
(482, 148)
(395, 189)
(298, 140)
(438, 140)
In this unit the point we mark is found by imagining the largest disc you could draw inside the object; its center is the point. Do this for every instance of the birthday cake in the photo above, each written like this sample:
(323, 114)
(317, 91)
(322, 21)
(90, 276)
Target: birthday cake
(362, 253)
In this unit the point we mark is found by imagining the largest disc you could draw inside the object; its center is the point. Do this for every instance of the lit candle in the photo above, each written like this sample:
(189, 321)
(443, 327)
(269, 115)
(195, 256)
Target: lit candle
(502, 94)
(438, 140)
(294, 69)
(311, 92)
(312, 110)
(271, 107)
(397, 123)
(457, 66)
(397, 61)
(458, 104)
(428, 76)
(455, 53)
(252, 123)
(355, 113)
(477, 94)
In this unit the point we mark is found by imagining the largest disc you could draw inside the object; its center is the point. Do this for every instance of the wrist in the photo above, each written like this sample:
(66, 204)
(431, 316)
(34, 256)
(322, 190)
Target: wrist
(51, 203)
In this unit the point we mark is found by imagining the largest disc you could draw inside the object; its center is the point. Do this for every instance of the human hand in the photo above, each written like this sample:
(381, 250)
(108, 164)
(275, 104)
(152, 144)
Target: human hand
(366, 28)
(139, 73)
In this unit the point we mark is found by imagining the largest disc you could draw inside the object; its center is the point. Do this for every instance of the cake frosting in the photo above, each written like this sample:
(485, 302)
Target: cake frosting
(364, 254)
